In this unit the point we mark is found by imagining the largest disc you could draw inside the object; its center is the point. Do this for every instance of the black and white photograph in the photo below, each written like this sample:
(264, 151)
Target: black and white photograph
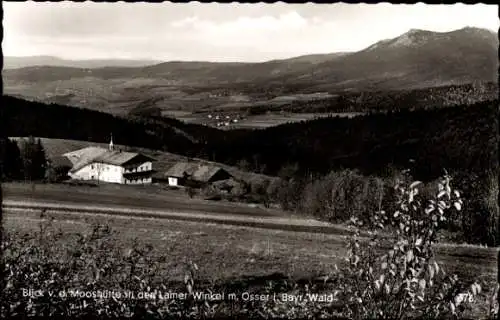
(249, 161)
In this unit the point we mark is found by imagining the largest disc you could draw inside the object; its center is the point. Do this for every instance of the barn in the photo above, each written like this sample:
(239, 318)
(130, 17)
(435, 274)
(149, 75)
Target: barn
(195, 175)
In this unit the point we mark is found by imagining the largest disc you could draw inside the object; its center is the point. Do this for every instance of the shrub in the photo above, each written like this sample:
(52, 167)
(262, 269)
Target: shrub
(81, 276)
(191, 192)
(340, 195)
(406, 281)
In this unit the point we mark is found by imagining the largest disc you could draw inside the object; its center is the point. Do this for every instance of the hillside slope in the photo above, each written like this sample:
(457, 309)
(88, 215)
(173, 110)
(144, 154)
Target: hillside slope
(415, 59)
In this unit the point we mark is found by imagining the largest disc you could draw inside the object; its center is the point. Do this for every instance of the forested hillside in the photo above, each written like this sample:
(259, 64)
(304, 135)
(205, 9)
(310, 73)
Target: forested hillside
(25, 118)
(462, 137)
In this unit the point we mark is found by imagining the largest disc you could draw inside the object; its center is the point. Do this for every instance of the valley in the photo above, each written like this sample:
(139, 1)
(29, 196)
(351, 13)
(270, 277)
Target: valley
(278, 86)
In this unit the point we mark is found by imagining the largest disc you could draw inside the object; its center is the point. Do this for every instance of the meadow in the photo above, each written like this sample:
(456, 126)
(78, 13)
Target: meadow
(235, 257)
(261, 121)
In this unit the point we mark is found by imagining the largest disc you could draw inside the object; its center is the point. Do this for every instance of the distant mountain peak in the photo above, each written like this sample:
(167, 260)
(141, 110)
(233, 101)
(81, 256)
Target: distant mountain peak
(418, 37)
(417, 32)
(413, 37)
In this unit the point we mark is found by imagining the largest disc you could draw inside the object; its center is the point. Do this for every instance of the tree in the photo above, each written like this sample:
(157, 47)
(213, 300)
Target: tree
(10, 160)
(244, 165)
(33, 159)
(56, 172)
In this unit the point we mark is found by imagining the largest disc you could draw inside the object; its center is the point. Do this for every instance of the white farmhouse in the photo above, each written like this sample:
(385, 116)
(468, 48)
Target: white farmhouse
(110, 165)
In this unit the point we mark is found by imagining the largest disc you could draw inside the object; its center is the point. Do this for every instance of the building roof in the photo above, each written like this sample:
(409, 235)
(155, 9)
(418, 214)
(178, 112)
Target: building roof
(81, 158)
(180, 169)
(60, 161)
(88, 154)
(196, 172)
(116, 157)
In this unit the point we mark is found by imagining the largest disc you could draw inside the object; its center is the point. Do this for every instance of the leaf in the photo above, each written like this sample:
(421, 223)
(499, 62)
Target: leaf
(436, 266)
(459, 298)
(384, 265)
(409, 255)
(431, 271)
(421, 284)
(387, 289)
(413, 272)
(457, 206)
(414, 184)
(476, 288)
(382, 278)
(377, 284)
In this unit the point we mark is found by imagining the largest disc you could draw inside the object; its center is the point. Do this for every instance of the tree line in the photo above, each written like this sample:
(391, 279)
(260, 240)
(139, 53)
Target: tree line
(26, 161)
(384, 101)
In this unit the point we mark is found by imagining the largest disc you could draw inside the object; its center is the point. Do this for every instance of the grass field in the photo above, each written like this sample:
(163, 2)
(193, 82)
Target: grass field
(229, 253)
(140, 197)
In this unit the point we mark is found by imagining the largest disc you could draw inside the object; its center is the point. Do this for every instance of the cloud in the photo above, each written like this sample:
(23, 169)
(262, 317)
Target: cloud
(272, 33)
(186, 22)
(245, 32)
(286, 21)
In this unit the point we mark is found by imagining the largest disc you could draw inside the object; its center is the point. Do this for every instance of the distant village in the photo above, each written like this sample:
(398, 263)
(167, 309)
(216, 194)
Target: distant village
(221, 120)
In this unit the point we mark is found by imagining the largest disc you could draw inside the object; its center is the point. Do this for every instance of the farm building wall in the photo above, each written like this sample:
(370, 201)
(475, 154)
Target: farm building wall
(101, 172)
(173, 181)
(138, 173)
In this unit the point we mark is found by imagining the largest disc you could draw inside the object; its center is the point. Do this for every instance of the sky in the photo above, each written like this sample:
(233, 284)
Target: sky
(219, 32)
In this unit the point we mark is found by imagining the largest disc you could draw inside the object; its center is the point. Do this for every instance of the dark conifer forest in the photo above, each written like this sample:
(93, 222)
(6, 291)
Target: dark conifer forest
(459, 138)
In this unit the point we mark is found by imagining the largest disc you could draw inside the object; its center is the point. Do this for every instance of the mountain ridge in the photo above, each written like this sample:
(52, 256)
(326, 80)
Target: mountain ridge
(415, 59)
(17, 62)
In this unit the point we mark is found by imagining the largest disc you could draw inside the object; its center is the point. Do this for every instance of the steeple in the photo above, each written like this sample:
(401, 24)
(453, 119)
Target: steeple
(111, 146)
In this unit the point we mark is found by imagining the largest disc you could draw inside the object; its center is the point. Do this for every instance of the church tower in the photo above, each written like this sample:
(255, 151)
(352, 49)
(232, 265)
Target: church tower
(111, 146)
